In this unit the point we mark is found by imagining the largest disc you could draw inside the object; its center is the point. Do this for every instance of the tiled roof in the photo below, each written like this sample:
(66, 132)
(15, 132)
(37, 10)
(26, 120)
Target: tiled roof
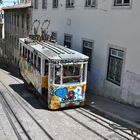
(17, 6)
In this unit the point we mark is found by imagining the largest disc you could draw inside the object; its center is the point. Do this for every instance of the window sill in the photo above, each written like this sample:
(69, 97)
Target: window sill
(90, 7)
(55, 7)
(108, 82)
(122, 7)
(70, 8)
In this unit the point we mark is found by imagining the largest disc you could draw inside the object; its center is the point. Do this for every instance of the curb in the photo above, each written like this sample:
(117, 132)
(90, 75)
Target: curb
(127, 123)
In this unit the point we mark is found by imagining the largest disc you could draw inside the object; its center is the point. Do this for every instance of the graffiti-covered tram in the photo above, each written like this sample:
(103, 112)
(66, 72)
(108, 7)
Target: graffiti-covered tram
(57, 73)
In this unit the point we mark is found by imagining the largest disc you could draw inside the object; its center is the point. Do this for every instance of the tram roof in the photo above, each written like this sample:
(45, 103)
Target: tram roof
(54, 51)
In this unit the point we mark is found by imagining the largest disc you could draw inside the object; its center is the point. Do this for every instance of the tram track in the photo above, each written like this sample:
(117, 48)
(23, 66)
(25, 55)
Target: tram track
(104, 123)
(82, 111)
(9, 113)
(108, 124)
(19, 101)
(18, 97)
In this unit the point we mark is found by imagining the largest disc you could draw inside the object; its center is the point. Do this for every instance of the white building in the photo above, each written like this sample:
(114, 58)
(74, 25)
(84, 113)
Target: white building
(1, 24)
(106, 30)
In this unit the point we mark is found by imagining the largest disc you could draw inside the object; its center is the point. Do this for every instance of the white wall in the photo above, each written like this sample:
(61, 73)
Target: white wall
(106, 26)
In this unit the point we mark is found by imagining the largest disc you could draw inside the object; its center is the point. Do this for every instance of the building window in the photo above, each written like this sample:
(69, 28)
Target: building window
(87, 50)
(55, 3)
(22, 21)
(115, 64)
(44, 4)
(35, 4)
(67, 41)
(54, 36)
(122, 2)
(15, 20)
(12, 19)
(18, 20)
(27, 22)
(90, 3)
(69, 3)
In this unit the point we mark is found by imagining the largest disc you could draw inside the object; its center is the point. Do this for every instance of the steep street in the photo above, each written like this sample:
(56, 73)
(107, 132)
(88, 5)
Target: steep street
(23, 117)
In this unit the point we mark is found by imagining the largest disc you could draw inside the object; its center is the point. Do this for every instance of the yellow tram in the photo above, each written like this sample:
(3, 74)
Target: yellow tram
(57, 73)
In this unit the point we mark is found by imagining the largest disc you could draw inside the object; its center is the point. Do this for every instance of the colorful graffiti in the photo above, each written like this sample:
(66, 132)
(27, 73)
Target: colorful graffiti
(30, 72)
(66, 96)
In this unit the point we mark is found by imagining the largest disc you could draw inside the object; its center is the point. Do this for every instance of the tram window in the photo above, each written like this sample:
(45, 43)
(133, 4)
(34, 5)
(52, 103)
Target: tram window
(28, 58)
(51, 73)
(23, 51)
(46, 67)
(31, 60)
(71, 73)
(57, 74)
(20, 48)
(34, 60)
(39, 64)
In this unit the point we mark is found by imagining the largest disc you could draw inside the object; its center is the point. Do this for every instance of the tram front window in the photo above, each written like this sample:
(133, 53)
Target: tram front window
(71, 73)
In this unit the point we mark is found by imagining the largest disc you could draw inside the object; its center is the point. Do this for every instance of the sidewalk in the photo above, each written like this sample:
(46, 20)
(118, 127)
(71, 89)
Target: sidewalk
(122, 114)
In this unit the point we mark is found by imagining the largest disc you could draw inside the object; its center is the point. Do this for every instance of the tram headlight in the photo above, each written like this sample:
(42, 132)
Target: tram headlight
(63, 104)
(77, 102)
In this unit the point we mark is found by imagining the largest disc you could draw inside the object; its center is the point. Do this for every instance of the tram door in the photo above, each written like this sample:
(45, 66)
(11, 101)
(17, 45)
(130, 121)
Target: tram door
(45, 80)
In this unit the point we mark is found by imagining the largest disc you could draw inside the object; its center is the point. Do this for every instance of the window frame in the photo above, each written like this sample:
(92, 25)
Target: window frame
(89, 48)
(69, 4)
(17, 20)
(44, 4)
(55, 4)
(121, 6)
(46, 68)
(39, 64)
(54, 35)
(68, 35)
(22, 21)
(27, 22)
(35, 4)
(110, 55)
(90, 5)
(67, 75)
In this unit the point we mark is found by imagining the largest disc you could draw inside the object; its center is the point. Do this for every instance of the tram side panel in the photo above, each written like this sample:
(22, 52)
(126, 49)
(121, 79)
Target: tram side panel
(30, 74)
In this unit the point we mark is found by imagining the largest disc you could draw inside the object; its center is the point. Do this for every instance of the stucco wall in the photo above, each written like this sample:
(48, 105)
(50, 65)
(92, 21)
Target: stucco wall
(105, 25)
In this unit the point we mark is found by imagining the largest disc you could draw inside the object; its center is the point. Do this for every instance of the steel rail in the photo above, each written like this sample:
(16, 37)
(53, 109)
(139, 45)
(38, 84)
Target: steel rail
(123, 130)
(19, 122)
(40, 126)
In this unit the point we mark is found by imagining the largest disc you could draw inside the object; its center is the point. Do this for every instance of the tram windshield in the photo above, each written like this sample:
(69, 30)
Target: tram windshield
(68, 73)
(71, 73)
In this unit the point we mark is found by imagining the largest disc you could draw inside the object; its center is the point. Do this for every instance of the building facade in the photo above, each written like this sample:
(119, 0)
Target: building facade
(1, 34)
(1, 24)
(17, 24)
(108, 32)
